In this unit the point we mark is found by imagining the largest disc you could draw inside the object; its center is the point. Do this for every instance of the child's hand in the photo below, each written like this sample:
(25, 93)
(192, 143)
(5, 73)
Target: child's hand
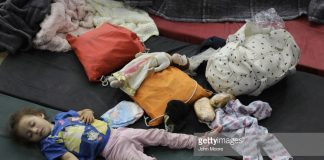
(86, 116)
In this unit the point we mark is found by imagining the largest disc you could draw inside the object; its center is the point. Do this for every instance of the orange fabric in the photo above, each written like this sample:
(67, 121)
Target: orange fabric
(159, 88)
(105, 49)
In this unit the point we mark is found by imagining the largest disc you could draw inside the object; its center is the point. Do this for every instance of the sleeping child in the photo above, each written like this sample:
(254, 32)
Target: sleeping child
(78, 135)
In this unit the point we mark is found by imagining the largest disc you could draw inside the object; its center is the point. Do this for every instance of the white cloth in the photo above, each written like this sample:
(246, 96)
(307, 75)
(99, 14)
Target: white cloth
(67, 16)
(135, 72)
(253, 59)
(119, 14)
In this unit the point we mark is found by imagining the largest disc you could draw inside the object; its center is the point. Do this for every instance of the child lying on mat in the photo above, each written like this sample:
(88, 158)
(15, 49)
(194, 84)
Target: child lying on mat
(78, 135)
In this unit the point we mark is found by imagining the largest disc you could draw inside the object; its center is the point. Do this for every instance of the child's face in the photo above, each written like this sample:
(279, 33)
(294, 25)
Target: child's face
(34, 127)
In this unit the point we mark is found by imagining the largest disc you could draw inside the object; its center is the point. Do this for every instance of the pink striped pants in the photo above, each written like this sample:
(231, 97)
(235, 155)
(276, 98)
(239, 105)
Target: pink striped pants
(129, 143)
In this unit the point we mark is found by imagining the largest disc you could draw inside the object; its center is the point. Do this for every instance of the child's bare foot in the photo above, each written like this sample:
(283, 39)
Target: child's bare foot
(214, 132)
(180, 61)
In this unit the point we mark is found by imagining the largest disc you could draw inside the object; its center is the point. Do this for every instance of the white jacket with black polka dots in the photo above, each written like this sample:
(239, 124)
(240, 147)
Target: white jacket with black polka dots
(253, 59)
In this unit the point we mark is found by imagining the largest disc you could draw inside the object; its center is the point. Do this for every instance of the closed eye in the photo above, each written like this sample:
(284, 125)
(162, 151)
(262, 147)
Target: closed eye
(32, 123)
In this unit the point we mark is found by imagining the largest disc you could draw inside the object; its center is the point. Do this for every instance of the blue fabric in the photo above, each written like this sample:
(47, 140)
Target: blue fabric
(85, 141)
(123, 114)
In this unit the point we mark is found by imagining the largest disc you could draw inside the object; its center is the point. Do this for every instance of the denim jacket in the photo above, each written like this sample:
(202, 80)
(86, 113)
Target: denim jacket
(228, 10)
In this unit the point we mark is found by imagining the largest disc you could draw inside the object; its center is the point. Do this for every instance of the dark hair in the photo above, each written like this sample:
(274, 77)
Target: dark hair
(15, 119)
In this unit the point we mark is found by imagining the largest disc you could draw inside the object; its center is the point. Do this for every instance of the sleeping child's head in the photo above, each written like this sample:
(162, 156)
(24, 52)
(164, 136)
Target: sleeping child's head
(30, 125)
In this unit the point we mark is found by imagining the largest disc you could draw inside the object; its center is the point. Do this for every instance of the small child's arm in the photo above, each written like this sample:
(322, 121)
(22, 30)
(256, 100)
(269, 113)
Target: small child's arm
(86, 115)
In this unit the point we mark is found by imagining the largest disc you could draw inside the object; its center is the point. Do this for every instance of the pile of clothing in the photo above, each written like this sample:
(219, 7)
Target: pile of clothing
(44, 24)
